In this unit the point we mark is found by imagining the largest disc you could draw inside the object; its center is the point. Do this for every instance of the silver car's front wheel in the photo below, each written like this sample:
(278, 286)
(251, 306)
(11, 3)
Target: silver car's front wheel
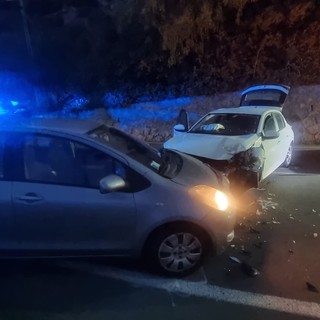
(180, 252)
(177, 252)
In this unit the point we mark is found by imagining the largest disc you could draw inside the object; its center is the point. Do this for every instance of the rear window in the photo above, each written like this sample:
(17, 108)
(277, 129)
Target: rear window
(272, 98)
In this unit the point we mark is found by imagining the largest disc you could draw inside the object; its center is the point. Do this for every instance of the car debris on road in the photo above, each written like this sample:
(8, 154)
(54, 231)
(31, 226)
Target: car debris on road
(245, 267)
(311, 287)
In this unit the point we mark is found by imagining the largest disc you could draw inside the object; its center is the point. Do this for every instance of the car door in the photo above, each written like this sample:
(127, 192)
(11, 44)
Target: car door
(57, 202)
(285, 136)
(272, 146)
(6, 213)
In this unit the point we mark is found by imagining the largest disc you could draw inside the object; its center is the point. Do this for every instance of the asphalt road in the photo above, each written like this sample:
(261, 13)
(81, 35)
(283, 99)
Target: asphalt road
(278, 233)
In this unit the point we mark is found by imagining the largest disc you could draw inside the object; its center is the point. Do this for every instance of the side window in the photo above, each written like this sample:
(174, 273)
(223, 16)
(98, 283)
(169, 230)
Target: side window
(1, 156)
(62, 161)
(47, 159)
(269, 123)
(12, 157)
(54, 160)
(280, 121)
(92, 165)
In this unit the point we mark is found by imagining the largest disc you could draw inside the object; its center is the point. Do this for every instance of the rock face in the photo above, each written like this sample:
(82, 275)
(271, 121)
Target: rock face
(302, 110)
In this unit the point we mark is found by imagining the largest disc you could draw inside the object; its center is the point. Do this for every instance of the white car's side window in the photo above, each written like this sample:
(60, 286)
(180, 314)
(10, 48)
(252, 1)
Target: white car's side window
(280, 120)
(269, 124)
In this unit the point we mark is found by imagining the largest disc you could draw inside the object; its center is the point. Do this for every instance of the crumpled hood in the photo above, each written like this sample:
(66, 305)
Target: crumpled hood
(194, 172)
(215, 147)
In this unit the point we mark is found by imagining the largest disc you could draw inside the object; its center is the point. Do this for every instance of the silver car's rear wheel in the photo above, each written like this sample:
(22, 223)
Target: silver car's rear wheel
(177, 251)
(180, 252)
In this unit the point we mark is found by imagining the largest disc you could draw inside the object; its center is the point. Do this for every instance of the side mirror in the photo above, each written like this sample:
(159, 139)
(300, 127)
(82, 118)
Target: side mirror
(179, 128)
(111, 183)
(270, 134)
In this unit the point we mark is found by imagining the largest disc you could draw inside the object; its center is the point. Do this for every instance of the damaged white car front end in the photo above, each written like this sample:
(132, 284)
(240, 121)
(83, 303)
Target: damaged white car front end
(247, 143)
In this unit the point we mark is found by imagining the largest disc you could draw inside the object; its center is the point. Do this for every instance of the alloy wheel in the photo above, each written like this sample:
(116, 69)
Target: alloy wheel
(179, 252)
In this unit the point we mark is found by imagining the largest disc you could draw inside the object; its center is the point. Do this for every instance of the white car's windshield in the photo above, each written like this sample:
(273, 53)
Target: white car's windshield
(167, 165)
(227, 124)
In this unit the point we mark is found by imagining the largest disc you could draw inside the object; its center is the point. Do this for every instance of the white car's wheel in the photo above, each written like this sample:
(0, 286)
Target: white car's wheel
(288, 158)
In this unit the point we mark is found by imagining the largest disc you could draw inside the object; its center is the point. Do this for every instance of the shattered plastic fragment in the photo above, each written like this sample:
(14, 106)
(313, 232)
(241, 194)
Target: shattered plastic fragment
(258, 245)
(252, 230)
(227, 271)
(315, 235)
(311, 287)
(314, 211)
(235, 259)
(258, 213)
(246, 252)
(249, 270)
(275, 222)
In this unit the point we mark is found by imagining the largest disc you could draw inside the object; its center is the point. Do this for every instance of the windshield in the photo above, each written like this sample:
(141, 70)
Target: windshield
(167, 164)
(227, 124)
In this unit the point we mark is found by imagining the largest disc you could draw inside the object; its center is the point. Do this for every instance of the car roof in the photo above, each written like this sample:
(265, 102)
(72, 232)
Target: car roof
(73, 126)
(246, 110)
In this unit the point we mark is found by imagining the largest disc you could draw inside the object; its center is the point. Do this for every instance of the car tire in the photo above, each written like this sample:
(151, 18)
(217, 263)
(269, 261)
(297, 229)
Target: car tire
(288, 159)
(176, 251)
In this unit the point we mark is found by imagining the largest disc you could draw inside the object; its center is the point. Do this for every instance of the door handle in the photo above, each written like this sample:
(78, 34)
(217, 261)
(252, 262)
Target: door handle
(29, 198)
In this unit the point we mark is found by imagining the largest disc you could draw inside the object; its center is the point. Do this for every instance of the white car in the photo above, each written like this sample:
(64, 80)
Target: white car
(248, 142)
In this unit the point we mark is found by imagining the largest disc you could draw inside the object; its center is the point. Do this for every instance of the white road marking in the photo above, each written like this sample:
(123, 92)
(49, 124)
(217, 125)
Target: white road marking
(288, 172)
(201, 289)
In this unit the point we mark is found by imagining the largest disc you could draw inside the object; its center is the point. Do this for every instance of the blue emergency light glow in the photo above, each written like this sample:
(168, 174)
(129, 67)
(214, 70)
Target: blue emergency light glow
(14, 103)
(3, 111)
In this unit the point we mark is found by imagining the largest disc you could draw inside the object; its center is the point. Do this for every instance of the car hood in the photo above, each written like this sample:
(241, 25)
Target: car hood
(215, 147)
(195, 172)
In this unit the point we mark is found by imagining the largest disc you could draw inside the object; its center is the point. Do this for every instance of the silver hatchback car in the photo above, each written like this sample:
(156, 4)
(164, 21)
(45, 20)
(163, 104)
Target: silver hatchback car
(74, 187)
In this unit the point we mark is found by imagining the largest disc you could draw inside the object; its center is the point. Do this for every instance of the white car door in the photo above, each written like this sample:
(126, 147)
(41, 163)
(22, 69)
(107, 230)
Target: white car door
(272, 146)
(286, 135)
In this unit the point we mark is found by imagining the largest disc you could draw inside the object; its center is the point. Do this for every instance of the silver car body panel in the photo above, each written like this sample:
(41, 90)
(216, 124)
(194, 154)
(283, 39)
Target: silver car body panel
(44, 216)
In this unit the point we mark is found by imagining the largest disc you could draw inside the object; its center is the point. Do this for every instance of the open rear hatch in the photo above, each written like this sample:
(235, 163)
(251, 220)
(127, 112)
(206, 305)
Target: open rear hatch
(265, 96)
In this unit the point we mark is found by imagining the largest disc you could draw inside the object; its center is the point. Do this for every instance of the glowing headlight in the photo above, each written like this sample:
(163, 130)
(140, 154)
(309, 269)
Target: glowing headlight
(210, 196)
